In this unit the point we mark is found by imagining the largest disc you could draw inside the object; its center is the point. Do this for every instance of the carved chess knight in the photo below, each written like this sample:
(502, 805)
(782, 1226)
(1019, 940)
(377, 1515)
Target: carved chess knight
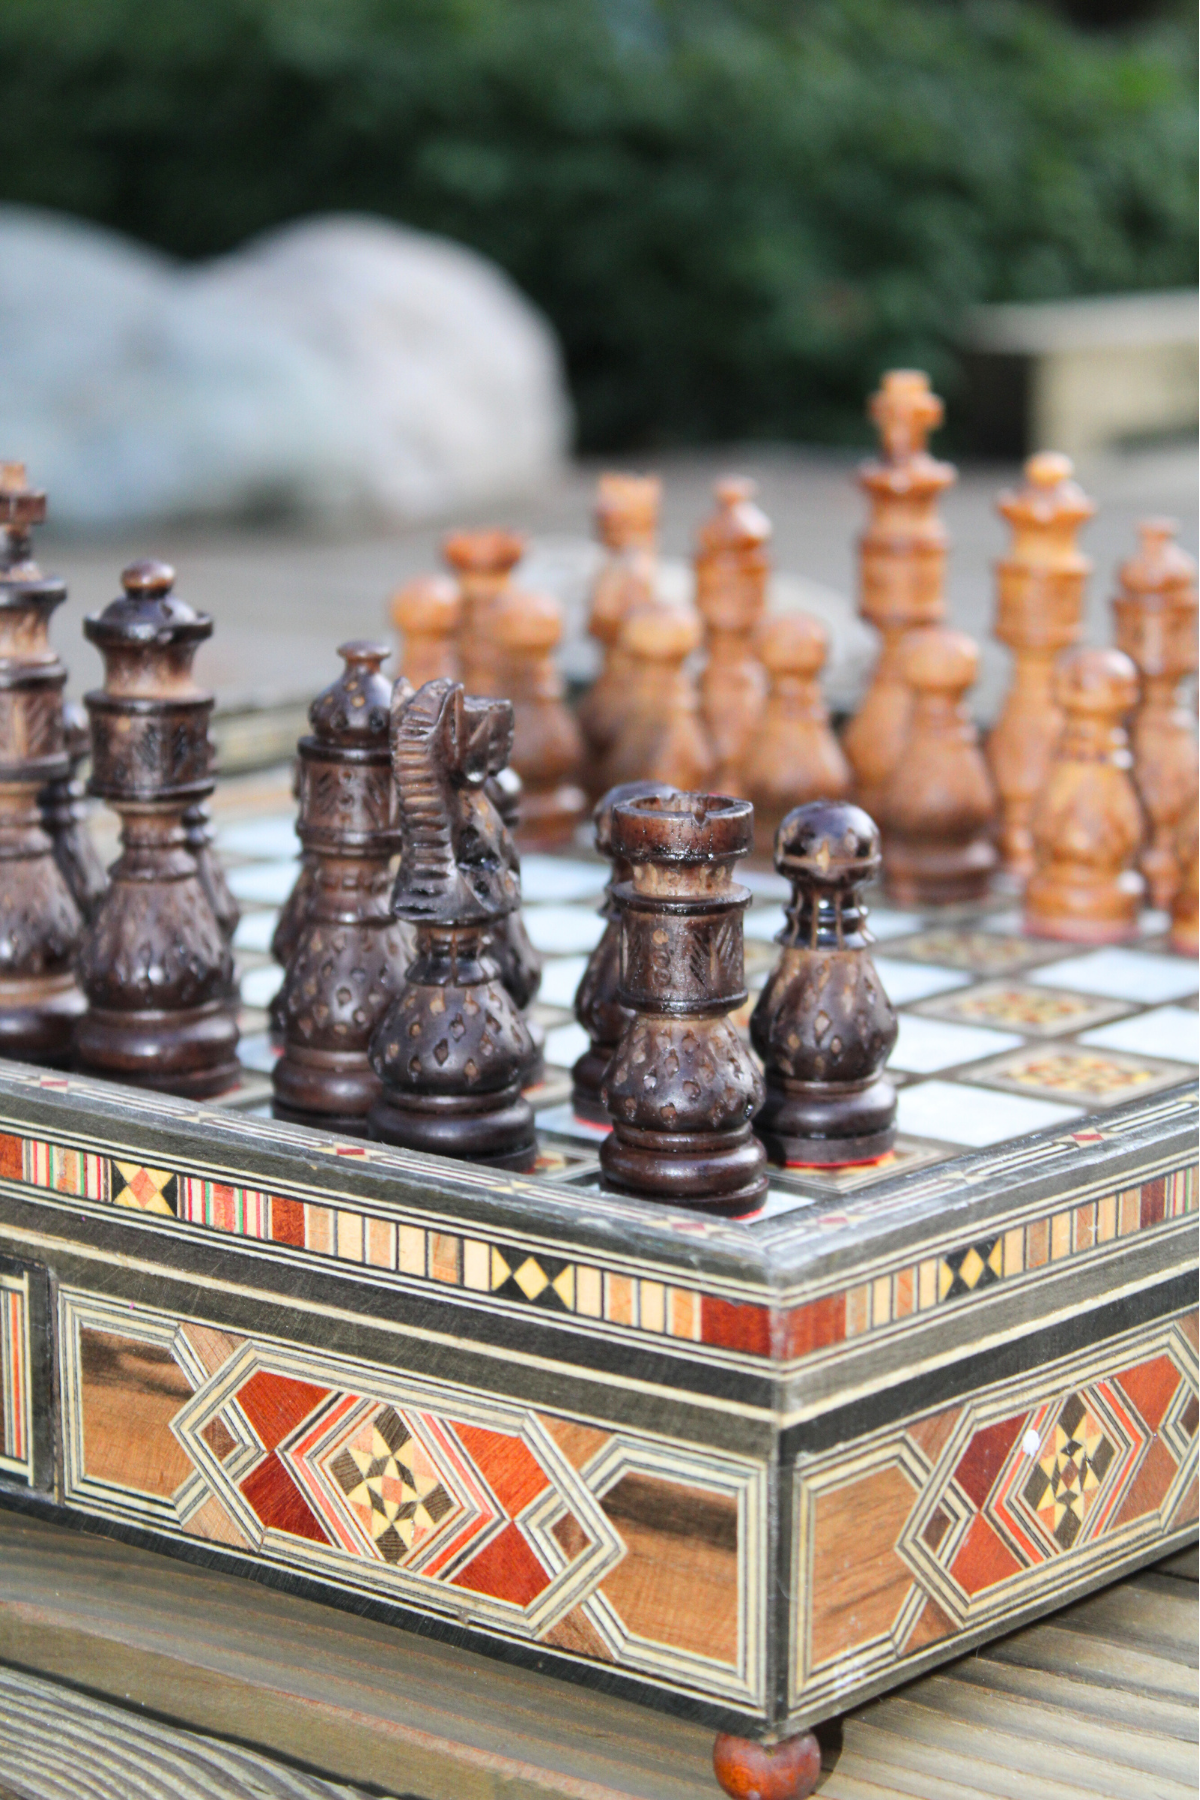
(451, 1048)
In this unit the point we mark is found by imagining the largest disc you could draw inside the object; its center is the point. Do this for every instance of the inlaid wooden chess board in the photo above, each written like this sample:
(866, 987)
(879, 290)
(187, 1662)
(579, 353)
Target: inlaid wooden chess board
(746, 1471)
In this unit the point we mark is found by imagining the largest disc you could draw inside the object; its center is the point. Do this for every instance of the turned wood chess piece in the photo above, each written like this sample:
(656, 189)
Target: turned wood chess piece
(483, 562)
(451, 1047)
(732, 566)
(64, 815)
(547, 750)
(939, 805)
(902, 564)
(823, 1025)
(682, 1088)
(597, 1007)
(1039, 613)
(662, 737)
(1185, 904)
(427, 612)
(1155, 616)
(39, 919)
(510, 947)
(200, 839)
(1087, 824)
(794, 756)
(351, 954)
(627, 527)
(157, 972)
(294, 910)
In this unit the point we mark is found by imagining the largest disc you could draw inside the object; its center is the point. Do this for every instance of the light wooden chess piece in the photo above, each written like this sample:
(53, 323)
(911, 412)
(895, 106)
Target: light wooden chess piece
(1155, 616)
(902, 564)
(939, 805)
(732, 566)
(1087, 824)
(427, 612)
(547, 749)
(1039, 614)
(627, 526)
(662, 738)
(483, 562)
(1185, 906)
(795, 757)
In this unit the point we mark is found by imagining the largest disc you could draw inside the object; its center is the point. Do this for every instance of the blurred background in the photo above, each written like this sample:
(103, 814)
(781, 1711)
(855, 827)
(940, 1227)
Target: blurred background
(286, 285)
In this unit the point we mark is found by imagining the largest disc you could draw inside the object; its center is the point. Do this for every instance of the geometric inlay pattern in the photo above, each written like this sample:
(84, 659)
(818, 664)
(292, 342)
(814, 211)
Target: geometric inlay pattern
(16, 1398)
(1069, 1473)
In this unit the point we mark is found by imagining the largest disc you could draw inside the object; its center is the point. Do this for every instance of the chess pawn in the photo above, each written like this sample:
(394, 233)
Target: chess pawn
(794, 756)
(732, 566)
(681, 1088)
(547, 749)
(510, 947)
(1087, 824)
(157, 972)
(483, 562)
(64, 816)
(351, 954)
(823, 1025)
(596, 1005)
(1155, 615)
(1039, 614)
(662, 738)
(627, 527)
(39, 919)
(902, 564)
(939, 804)
(427, 613)
(451, 1047)
(1185, 904)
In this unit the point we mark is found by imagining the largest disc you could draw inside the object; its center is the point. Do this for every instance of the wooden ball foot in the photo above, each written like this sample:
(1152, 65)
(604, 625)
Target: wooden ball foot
(784, 1771)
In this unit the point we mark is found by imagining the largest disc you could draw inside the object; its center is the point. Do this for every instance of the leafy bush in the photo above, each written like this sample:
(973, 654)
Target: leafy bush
(735, 211)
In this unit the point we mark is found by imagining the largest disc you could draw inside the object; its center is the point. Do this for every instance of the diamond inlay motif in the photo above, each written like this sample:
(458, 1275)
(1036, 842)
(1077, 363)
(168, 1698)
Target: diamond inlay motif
(1068, 1476)
(391, 1484)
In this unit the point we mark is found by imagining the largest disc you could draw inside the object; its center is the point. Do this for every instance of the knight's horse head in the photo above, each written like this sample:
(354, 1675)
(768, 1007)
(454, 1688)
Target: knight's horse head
(456, 863)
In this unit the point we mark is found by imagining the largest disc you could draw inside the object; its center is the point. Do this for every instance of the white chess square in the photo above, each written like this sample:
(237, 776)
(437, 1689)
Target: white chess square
(974, 1117)
(550, 878)
(259, 986)
(904, 982)
(272, 836)
(565, 1045)
(926, 1045)
(562, 930)
(763, 923)
(263, 883)
(560, 977)
(1170, 1031)
(256, 929)
(1120, 974)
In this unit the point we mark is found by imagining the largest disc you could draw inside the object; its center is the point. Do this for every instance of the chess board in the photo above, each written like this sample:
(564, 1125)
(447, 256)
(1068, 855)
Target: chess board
(746, 1471)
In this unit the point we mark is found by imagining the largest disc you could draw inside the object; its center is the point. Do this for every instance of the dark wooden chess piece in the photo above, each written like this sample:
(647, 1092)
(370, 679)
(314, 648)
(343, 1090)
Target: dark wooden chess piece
(293, 912)
(510, 947)
(682, 1088)
(627, 527)
(451, 1047)
(732, 565)
(1039, 613)
(939, 804)
(39, 919)
(1155, 615)
(351, 954)
(427, 612)
(902, 564)
(483, 562)
(1185, 906)
(794, 756)
(64, 815)
(199, 837)
(157, 972)
(1087, 825)
(823, 1025)
(547, 750)
(596, 1004)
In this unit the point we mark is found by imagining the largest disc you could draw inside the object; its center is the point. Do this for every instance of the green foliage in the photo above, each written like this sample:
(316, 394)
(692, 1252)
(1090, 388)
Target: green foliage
(735, 211)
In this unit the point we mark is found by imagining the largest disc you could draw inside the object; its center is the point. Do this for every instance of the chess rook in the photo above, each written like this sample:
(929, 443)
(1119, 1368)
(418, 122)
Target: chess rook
(661, 738)
(451, 1047)
(732, 566)
(1087, 825)
(483, 562)
(64, 815)
(794, 757)
(509, 947)
(427, 613)
(350, 954)
(597, 1007)
(39, 919)
(627, 527)
(823, 1025)
(682, 1088)
(902, 563)
(1155, 617)
(939, 805)
(547, 750)
(1039, 614)
(156, 969)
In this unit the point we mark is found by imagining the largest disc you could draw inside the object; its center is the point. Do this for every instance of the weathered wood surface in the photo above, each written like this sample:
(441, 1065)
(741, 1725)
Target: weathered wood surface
(1100, 1700)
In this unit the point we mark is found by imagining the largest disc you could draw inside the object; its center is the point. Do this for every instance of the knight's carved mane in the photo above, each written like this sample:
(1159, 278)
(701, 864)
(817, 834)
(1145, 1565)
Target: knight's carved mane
(428, 867)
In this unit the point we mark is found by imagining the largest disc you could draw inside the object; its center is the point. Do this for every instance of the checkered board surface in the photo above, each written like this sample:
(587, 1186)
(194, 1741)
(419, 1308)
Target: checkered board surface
(1001, 1035)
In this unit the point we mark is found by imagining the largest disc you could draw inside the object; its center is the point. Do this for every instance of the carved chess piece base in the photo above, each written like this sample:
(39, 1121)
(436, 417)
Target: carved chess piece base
(39, 999)
(827, 1129)
(1096, 912)
(191, 1052)
(933, 876)
(468, 1126)
(719, 1172)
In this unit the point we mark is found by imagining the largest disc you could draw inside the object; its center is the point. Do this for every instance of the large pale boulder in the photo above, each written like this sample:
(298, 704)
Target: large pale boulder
(341, 366)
